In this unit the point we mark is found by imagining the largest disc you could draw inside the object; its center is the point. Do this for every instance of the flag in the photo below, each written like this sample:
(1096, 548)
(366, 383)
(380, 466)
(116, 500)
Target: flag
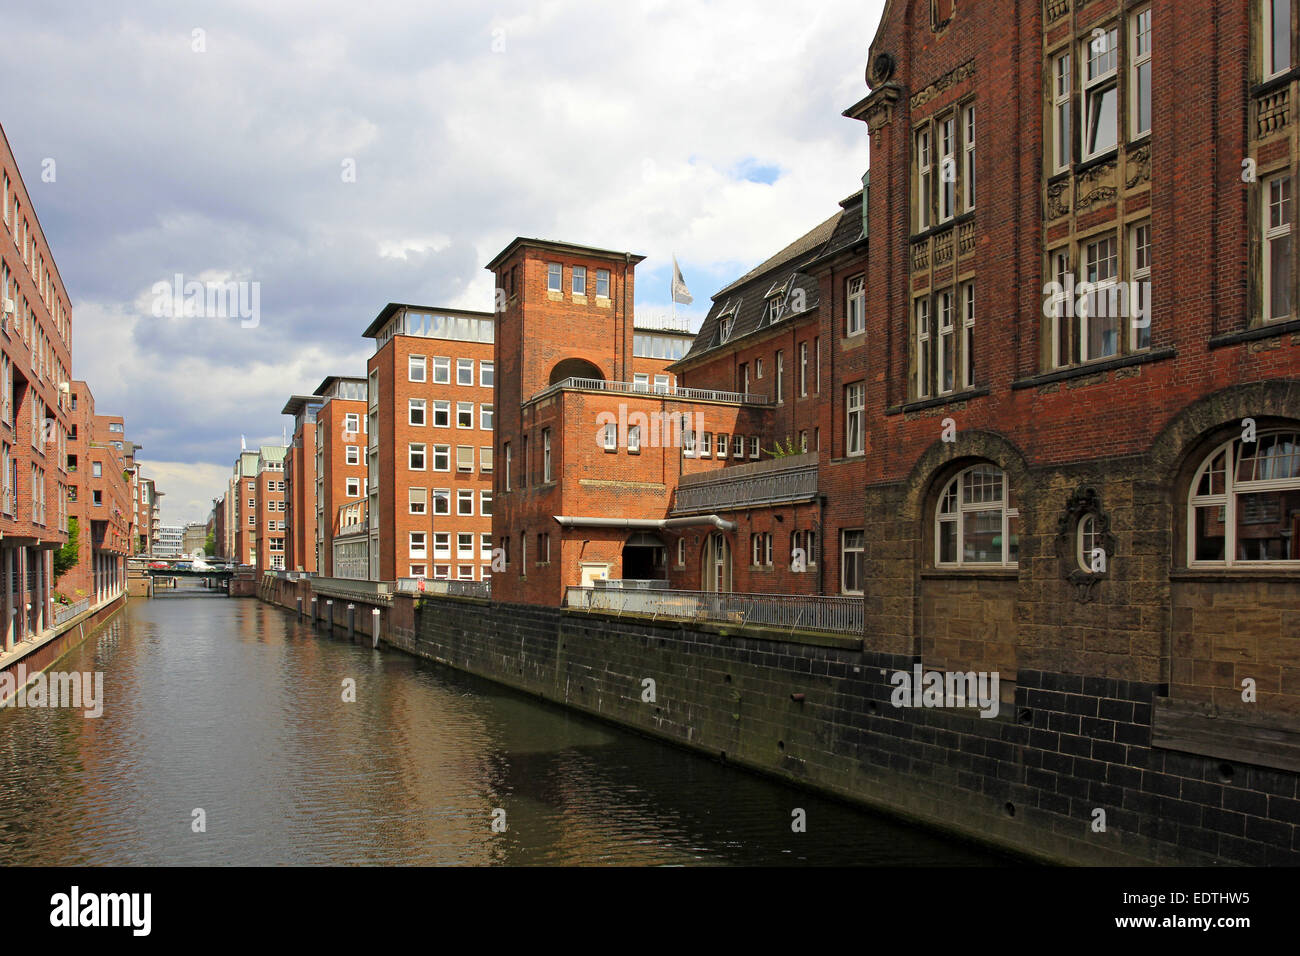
(680, 292)
(243, 444)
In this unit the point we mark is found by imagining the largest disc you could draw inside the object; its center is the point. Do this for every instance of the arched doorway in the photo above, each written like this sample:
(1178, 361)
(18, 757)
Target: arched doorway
(645, 558)
(575, 368)
(715, 566)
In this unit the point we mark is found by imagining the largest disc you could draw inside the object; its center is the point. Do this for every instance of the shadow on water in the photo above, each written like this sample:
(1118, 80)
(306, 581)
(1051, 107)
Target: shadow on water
(236, 712)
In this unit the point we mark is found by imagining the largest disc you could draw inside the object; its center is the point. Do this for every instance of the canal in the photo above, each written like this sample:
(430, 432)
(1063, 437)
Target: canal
(234, 708)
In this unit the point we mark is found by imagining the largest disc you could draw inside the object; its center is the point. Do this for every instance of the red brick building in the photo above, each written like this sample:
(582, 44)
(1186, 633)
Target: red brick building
(242, 494)
(270, 510)
(35, 339)
(430, 408)
(300, 485)
(342, 430)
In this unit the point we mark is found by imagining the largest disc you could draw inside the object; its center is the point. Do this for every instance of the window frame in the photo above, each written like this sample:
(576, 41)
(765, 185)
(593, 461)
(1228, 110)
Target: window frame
(1271, 234)
(1098, 86)
(1226, 500)
(1009, 514)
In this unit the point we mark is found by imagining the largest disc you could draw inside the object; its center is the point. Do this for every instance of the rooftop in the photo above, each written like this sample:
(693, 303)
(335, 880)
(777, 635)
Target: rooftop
(561, 247)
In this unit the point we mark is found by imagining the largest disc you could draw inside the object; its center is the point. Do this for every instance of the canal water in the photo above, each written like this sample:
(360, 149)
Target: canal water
(232, 707)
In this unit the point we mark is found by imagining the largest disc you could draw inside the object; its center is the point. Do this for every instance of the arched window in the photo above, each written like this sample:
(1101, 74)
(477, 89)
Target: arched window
(1244, 505)
(976, 523)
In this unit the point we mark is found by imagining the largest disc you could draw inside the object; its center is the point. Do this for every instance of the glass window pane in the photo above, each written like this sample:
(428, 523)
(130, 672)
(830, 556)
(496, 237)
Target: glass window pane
(982, 537)
(1266, 525)
(1209, 531)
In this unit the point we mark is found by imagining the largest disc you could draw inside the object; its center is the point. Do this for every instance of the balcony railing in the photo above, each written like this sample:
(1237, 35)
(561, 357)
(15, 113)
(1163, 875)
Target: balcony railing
(644, 388)
(841, 615)
(779, 480)
(66, 612)
(368, 592)
(477, 589)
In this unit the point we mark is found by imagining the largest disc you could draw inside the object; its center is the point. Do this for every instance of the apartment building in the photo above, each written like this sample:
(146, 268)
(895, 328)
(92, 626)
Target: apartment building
(300, 485)
(35, 356)
(342, 482)
(171, 539)
(99, 499)
(241, 493)
(270, 510)
(430, 411)
(218, 521)
(194, 537)
(150, 515)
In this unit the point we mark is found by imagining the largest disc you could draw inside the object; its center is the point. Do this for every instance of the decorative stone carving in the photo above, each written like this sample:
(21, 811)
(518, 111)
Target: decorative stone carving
(1273, 112)
(1058, 200)
(880, 110)
(945, 82)
(1083, 503)
(1139, 167)
(879, 70)
(1056, 9)
(1090, 189)
(941, 12)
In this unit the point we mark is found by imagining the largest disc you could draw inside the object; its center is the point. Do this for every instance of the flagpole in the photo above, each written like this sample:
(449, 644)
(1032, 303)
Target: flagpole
(672, 294)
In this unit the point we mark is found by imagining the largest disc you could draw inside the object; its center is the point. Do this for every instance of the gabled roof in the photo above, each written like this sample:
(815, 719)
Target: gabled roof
(568, 248)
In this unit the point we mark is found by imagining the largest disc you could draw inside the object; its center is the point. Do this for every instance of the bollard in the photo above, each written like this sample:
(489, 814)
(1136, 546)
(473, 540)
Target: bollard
(313, 612)
(300, 608)
(352, 621)
(329, 619)
(374, 616)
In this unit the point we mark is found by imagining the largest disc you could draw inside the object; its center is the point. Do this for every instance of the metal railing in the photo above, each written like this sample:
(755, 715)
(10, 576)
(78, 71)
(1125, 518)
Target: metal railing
(644, 388)
(368, 592)
(475, 589)
(806, 612)
(66, 612)
(744, 486)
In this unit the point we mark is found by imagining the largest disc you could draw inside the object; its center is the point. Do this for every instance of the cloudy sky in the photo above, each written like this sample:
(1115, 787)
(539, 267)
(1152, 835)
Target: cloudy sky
(216, 141)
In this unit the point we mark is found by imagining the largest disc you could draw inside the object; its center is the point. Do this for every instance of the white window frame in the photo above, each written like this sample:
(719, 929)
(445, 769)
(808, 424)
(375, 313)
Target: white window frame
(954, 494)
(1139, 54)
(968, 334)
(947, 164)
(443, 452)
(1281, 208)
(414, 363)
(855, 419)
(1096, 85)
(417, 545)
(417, 501)
(859, 548)
(441, 501)
(924, 178)
(602, 277)
(578, 280)
(464, 372)
(464, 502)
(441, 409)
(1139, 263)
(554, 277)
(352, 487)
(1105, 289)
(968, 150)
(1268, 58)
(855, 320)
(486, 373)
(1226, 501)
(441, 370)
(412, 450)
(415, 406)
(924, 346)
(465, 415)
(947, 350)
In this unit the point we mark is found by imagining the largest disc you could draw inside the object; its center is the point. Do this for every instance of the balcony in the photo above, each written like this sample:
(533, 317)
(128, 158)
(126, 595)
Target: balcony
(641, 388)
(776, 481)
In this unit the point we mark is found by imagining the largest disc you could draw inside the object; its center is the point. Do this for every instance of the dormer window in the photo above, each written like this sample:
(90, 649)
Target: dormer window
(727, 320)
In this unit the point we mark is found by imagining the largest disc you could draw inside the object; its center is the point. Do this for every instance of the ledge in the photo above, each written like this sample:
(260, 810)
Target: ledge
(937, 401)
(1092, 368)
(1251, 335)
(1235, 575)
(964, 574)
(1205, 730)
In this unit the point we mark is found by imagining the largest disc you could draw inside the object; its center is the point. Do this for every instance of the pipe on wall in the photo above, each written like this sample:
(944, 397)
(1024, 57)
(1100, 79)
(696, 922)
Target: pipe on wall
(645, 524)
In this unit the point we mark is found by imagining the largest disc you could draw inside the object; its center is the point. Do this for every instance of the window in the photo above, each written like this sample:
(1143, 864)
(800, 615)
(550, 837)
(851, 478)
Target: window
(803, 441)
(976, 521)
(554, 277)
(742, 376)
(465, 544)
(415, 368)
(754, 449)
(924, 383)
(418, 570)
(1277, 37)
(722, 446)
(780, 377)
(546, 454)
(442, 501)
(803, 368)
(773, 310)
(1277, 248)
(96, 469)
(485, 545)
(609, 440)
(706, 444)
(441, 370)
(464, 414)
(1244, 506)
(1065, 324)
(464, 457)
(681, 552)
(509, 462)
(924, 179)
(761, 549)
(758, 368)
(602, 283)
(855, 402)
(852, 573)
(441, 457)
(415, 457)
(442, 544)
(947, 168)
(968, 332)
(1100, 95)
(579, 274)
(417, 501)
(441, 572)
(856, 320)
(1140, 74)
(464, 371)
(416, 545)
(486, 374)
(634, 439)
(662, 384)
(947, 343)
(688, 438)
(1139, 244)
(1101, 323)
(807, 541)
(485, 458)
(641, 382)
(441, 414)
(353, 486)
(969, 168)
(738, 446)
(485, 506)
(465, 502)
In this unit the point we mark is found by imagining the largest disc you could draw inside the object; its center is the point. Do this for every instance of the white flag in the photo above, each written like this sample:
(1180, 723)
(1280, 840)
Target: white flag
(681, 294)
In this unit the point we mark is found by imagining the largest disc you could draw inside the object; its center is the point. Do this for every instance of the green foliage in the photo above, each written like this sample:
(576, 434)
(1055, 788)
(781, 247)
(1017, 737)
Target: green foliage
(65, 559)
(778, 451)
(210, 546)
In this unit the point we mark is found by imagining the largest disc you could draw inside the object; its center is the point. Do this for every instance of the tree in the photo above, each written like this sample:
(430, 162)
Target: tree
(65, 559)
(210, 546)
